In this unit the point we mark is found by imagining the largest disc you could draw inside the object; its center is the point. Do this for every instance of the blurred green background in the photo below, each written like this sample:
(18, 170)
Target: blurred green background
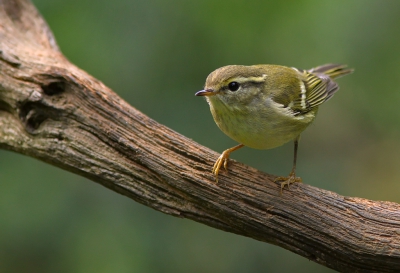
(156, 54)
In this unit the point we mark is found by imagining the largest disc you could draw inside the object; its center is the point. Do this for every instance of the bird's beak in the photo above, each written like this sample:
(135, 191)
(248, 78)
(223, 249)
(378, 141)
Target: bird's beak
(205, 92)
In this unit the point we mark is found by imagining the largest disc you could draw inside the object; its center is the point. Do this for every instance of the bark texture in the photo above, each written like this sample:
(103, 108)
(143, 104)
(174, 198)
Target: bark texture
(53, 111)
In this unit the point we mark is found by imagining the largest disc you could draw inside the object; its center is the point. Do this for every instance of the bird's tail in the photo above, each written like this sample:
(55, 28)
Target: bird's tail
(332, 70)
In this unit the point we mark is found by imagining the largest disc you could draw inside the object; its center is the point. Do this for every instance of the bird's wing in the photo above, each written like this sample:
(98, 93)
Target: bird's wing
(316, 88)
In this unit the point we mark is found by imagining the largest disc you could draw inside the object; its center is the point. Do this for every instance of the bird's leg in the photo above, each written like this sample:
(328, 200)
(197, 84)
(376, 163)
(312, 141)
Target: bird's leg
(223, 160)
(292, 176)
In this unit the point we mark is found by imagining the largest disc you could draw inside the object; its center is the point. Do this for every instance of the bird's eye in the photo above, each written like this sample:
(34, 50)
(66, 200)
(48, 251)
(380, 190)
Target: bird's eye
(233, 86)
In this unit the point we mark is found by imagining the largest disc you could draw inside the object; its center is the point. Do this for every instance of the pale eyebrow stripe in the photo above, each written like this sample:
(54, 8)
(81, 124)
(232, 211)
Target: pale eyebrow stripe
(250, 79)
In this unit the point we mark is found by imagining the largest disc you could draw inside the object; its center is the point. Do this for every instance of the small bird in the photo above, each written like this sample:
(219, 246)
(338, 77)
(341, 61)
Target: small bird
(266, 106)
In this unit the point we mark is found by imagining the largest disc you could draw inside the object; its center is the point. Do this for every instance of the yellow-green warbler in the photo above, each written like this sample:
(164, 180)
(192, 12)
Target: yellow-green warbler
(265, 106)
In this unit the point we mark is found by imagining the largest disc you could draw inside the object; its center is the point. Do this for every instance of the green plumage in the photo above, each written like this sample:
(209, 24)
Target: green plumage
(274, 103)
(265, 106)
(319, 85)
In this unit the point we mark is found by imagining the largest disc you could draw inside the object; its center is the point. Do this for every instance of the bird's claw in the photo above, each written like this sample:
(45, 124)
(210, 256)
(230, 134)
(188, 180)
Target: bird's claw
(221, 161)
(287, 180)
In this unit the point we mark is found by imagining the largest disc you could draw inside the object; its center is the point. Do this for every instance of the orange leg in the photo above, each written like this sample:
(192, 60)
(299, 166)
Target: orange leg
(223, 160)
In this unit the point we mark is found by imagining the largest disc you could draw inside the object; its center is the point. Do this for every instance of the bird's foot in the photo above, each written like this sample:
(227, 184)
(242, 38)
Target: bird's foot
(287, 180)
(221, 161)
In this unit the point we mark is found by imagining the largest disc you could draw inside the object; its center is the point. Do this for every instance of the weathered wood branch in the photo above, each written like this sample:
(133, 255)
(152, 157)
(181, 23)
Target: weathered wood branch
(53, 111)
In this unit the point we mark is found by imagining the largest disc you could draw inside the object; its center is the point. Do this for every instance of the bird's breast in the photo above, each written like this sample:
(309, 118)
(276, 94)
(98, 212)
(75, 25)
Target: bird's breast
(258, 127)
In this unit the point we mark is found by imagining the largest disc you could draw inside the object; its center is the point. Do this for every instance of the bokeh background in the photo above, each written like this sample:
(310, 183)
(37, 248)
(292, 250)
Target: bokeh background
(156, 54)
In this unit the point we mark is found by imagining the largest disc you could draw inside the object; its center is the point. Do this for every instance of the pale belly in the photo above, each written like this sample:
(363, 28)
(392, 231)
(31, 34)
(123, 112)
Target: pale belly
(262, 130)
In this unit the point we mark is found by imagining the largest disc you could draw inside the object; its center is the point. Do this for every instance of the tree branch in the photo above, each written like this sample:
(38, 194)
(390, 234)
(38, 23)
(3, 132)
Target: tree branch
(53, 111)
